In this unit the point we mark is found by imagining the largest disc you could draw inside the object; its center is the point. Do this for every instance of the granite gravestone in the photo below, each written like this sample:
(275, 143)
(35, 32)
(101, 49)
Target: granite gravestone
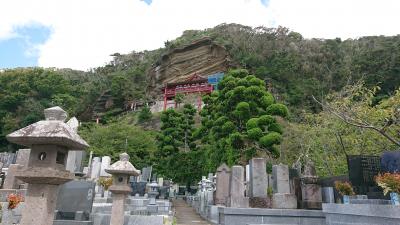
(146, 173)
(390, 162)
(223, 185)
(75, 197)
(96, 167)
(311, 190)
(105, 163)
(258, 178)
(282, 198)
(237, 187)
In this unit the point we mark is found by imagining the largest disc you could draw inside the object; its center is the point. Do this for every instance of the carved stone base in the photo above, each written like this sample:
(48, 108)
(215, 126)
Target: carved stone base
(258, 202)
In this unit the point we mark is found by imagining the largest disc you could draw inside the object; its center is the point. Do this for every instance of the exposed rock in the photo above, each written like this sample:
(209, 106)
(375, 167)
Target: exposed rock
(203, 57)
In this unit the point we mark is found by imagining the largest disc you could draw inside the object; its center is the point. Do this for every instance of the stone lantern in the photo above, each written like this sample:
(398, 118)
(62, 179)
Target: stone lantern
(49, 141)
(152, 206)
(120, 188)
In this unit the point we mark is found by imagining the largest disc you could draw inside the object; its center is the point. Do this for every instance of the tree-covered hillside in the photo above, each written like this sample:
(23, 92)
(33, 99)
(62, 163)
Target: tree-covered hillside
(293, 68)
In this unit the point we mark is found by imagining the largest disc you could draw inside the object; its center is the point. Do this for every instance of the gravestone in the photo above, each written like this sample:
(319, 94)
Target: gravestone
(160, 181)
(105, 163)
(222, 185)
(282, 198)
(146, 173)
(11, 182)
(390, 162)
(96, 166)
(363, 169)
(237, 188)
(7, 158)
(75, 196)
(310, 189)
(328, 195)
(258, 178)
(139, 188)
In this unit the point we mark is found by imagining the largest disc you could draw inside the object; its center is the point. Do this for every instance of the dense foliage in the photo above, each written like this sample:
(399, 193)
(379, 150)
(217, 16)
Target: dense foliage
(121, 136)
(24, 93)
(177, 158)
(238, 121)
(326, 138)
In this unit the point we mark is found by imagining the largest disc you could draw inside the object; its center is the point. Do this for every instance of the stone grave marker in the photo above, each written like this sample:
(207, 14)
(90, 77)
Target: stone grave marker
(237, 188)
(138, 188)
(96, 166)
(222, 185)
(282, 198)
(310, 189)
(75, 196)
(105, 163)
(258, 178)
(146, 173)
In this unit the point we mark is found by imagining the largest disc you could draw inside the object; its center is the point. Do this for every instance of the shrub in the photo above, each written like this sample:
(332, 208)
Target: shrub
(389, 182)
(14, 200)
(344, 188)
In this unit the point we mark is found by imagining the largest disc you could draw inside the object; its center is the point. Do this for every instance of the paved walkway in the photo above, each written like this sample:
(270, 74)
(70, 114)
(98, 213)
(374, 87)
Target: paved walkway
(186, 215)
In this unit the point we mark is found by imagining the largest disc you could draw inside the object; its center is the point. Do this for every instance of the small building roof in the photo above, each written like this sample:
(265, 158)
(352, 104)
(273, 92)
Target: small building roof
(123, 166)
(53, 130)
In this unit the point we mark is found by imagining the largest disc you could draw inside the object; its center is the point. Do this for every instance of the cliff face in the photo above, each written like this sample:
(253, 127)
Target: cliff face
(203, 57)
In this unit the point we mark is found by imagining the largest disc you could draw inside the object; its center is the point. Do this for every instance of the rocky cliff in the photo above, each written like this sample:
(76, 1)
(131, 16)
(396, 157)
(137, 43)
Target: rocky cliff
(203, 57)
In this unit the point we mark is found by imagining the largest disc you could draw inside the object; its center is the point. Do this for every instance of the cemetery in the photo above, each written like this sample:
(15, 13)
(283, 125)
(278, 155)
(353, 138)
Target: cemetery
(48, 185)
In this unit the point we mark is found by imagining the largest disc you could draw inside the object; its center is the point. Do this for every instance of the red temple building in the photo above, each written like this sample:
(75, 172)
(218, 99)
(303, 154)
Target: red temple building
(193, 85)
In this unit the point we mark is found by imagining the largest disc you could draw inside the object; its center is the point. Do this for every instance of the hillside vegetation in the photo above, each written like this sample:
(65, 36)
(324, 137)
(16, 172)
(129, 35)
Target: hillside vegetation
(294, 69)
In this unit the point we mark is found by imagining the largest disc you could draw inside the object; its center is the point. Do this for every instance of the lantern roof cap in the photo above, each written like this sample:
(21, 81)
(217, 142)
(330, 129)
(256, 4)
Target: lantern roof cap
(123, 166)
(51, 131)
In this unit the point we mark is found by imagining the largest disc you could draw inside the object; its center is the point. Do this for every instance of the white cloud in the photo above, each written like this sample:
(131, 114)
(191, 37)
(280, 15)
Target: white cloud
(86, 32)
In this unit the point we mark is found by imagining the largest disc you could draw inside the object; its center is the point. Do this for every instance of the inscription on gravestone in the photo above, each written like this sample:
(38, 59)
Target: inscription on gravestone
(363, 169)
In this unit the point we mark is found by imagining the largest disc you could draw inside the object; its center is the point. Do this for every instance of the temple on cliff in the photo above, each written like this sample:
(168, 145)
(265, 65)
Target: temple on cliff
(194, 85)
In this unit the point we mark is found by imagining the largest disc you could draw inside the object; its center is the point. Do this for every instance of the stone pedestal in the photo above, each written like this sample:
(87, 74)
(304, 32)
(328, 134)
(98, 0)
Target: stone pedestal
(40, 204)
(11, 182)
(222, 185)
(236, 195)
(284, 201)
(117, 210)
(310, 189)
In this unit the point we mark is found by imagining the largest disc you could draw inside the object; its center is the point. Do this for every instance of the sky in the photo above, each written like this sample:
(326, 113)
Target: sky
(82, 34)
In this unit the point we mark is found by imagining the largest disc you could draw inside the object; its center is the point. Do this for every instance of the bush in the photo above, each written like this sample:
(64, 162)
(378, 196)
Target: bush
(278, 110)
(344, 188)
(270, 139)
(389, 182)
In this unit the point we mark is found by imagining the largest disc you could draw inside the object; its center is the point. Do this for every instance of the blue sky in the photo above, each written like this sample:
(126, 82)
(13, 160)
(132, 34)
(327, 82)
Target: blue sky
(20, 50)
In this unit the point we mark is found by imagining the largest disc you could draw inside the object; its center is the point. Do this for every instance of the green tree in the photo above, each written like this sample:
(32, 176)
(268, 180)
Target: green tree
(119, 136)
(239, 121)
(144, 115)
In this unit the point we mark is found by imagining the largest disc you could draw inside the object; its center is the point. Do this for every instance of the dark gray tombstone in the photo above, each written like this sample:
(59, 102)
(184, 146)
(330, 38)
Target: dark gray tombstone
(390, 162)
(363, 169)
(138, 188)
(75, 196)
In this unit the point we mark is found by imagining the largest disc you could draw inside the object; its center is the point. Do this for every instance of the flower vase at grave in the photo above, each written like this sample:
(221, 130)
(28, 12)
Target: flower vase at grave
(394, 198)
(346, 199)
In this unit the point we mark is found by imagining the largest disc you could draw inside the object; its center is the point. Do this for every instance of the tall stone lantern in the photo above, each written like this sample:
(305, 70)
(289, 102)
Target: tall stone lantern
(49, 141)
(120, 188)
